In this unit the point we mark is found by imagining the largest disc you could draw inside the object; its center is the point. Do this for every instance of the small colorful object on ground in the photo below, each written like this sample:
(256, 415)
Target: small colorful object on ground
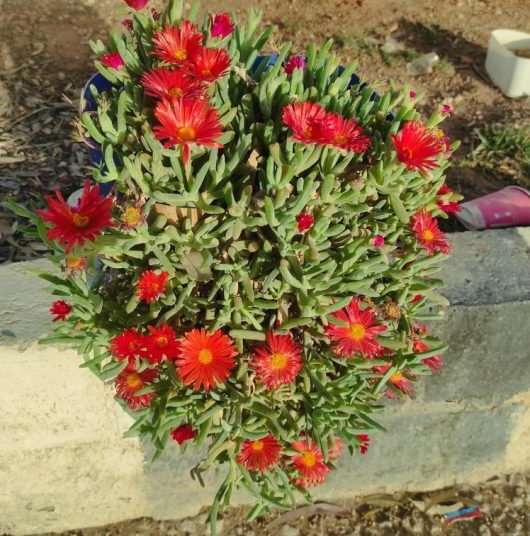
(462, 514)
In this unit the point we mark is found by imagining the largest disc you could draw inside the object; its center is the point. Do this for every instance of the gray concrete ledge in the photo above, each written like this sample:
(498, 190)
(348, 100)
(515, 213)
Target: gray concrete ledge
(64, 464)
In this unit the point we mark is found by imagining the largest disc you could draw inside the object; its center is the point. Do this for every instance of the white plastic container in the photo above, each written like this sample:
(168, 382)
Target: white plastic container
(510, 73)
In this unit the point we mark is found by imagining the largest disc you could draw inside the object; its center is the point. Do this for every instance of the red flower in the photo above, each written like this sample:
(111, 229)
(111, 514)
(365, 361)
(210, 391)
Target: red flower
(365, 443)
(184, 122)
(222, 25)
(428, 233)
(129, 382)
(277, 363)
(398, 380)
(417, 147)
(447, 109)
(378, 241)
(205, 359)
(416, 298)
(309, 122)
(305, 221)
(137, 4)
(449, 207)
(359, 334)
(74, 266)
(151, 285)
(164, 83)
(434, 362)
(113, 60)
(60, 310)
(347, 134)
(294, 62)
(337, 449)
(309, 463)
(261, 454)
(177, 45)
(183, 433)
(128, 345)
(210, 64)
(74, 225)
(161, 343)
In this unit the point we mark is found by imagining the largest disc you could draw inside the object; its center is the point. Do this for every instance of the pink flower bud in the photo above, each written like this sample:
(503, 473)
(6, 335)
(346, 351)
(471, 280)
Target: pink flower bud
(222, 25)
(378, 241)
(305, 222)
(137, 4)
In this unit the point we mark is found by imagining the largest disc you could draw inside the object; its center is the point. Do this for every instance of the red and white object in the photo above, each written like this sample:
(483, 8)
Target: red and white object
(509, 207)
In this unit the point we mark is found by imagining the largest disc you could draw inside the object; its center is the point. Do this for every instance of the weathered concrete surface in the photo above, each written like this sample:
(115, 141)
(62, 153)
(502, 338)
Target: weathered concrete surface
(64, 464)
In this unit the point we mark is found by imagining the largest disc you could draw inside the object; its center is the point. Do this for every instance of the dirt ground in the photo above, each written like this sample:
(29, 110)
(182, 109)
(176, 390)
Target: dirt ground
(503, 502)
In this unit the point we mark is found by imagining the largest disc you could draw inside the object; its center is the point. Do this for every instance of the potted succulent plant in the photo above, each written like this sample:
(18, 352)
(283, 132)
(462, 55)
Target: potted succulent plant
(254, 278)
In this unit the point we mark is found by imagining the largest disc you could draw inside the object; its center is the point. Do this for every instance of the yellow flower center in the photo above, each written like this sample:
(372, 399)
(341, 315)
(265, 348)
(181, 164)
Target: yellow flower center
(205, 356)
(340, 139)
(428, 234)
(80, 221)
(175, 92)
(309, 459)
(257, 446)
(278, 361)
(131, 216)
(357, 331)
(396, 377)
(161, 341)
(180, 54)
(206, 72)
(74, 262)
(187, 133)
(307, 132)
(134, 381)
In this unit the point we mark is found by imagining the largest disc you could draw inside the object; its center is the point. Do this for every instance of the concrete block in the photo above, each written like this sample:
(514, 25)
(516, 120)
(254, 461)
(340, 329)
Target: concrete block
(489, 353)
(486, 267)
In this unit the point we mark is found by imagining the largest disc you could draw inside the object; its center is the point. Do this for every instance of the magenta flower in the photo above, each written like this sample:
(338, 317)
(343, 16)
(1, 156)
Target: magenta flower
(447, 109)
(294, 62)
(222, 25)
(137, 4)
(113, 60)
(378, 241)
(412, 95)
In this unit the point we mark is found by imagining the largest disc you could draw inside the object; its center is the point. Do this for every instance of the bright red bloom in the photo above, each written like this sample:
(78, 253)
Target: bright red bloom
(337, 449)
(113, 60)
(184, 122)
(294, 62)
(74, 266)
(428, 233)
(177, 45)
(137, 4)
(277, 363)
(359, 334)
(183, 433)
(365, 443)
(222, 25)
(163, 83)
(60, 310)
(309, 463)
(305, 221)
(309, 122)
(449, 207)
(416, 298)
(398, 380)
(347, 134)
(205, 359)
(261, 454)
(128, 345)
(151, 285)
(417, 147)
(378, 241)
(129, 382)
(161, 343)
(434, 362)
(210, 64)
(74, 225)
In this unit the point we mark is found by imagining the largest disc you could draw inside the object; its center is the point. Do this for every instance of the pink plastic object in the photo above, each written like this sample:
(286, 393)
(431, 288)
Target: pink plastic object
(508, 207)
